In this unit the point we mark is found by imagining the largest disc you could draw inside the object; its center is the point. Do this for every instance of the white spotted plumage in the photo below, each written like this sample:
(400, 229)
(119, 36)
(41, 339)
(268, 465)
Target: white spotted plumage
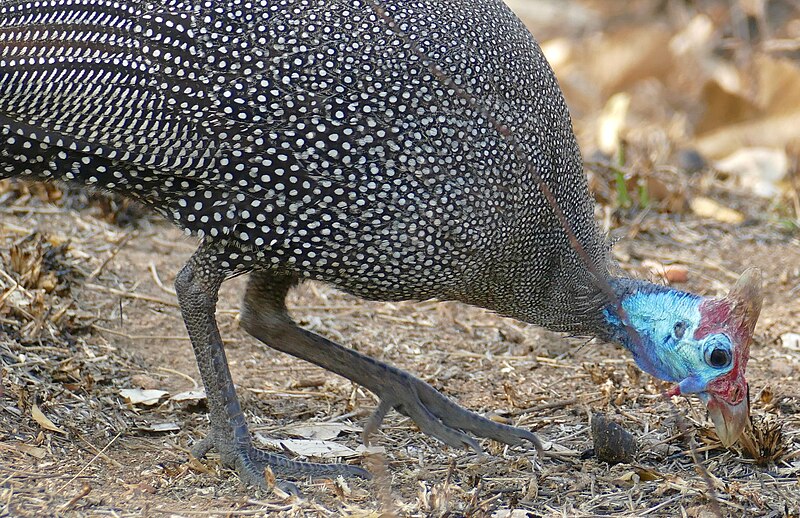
(308, 136)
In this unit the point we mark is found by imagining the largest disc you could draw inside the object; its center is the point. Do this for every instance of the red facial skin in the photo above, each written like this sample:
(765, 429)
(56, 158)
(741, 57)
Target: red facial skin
(720, 316)
(735, 316)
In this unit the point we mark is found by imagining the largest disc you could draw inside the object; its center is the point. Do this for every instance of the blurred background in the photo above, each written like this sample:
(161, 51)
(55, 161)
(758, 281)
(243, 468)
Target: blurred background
(681, 106)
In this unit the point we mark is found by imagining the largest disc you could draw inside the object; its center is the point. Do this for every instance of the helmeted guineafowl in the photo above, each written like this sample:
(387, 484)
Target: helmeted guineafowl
(315, 139)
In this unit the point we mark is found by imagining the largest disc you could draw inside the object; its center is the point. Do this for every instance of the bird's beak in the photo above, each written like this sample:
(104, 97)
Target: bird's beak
(729, 419)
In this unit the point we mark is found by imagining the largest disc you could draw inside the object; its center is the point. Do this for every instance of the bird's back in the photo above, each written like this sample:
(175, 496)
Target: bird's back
(313, 138)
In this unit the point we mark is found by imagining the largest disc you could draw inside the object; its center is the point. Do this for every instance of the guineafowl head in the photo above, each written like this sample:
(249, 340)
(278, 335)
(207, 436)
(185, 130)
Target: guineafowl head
(700, 343)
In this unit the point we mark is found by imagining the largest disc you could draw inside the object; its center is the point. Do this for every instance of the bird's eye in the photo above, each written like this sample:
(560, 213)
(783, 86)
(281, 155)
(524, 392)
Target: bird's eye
(718, 358)
(679, 329)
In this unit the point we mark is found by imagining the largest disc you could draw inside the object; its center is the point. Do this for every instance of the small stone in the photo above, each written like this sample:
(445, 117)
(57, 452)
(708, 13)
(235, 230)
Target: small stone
(612, 443)
(672, 273)
(691, 161)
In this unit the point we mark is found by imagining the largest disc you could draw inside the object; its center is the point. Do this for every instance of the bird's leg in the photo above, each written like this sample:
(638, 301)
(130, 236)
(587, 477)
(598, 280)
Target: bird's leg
(264, 316)
(197, 286)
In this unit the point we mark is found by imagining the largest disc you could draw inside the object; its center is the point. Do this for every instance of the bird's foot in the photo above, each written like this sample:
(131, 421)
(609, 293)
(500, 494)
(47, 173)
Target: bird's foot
(438, 416)
(251, 463)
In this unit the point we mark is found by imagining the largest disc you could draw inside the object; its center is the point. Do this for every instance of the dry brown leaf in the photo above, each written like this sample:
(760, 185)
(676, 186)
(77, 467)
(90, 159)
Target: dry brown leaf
(142, 397)
(622, 58)
(33, 451)
(160, 427)
(647, 474)
(672, 273)
(759, 169)
(44, 421)
(192, 396)
(765, 112)
(723, 108)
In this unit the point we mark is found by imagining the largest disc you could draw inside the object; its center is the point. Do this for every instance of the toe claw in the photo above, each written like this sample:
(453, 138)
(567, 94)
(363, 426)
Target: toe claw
(202, 447)
(440, 417)
(259, 468)
(375, 420)
(472, 444)
(289, 488)
(533, 439)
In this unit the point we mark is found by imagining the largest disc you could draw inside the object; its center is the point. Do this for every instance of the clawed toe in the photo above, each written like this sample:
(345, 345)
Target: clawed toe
(203, 446)
(251, 464)
(440, 417)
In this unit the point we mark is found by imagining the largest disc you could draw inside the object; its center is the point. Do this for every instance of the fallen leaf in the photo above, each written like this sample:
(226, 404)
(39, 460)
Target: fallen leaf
(310, 447)
(629, 477)
(189, 395)
(314, 447)
(791, 341)
(43, 421)
(628, 55)
(708, 208)
(740, 115)
(321, 431)
(159, 427)
(766, 396)
(142, 397)
(672, 273)
(647, 474)
(558, 449)
(757, 168)
(33, 451)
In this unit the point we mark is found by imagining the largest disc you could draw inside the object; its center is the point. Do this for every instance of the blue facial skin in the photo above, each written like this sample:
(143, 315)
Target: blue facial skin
(665, 321)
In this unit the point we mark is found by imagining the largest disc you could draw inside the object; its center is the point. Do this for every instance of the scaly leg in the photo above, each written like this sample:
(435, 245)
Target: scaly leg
(264, 316)
(197, 286)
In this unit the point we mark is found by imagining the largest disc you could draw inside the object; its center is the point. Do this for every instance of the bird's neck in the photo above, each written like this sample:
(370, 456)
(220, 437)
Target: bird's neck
(650, 311)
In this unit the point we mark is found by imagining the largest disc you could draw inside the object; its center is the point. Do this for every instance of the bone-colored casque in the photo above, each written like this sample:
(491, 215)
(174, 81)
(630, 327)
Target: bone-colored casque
(312, 139)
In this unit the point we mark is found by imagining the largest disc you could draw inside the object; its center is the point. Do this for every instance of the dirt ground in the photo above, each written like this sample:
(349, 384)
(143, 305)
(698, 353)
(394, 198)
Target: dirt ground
(86, 313)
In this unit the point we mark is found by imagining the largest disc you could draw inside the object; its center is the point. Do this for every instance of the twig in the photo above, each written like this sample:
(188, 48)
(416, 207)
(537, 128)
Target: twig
(546, 406)
(100, 453)
(663, 504)
(119, 246)
(130, 295)
(712, 492)
(157, 280)
(85, 490)
(142, 337)
(90, 462)
(181, 374)
(226, 512)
